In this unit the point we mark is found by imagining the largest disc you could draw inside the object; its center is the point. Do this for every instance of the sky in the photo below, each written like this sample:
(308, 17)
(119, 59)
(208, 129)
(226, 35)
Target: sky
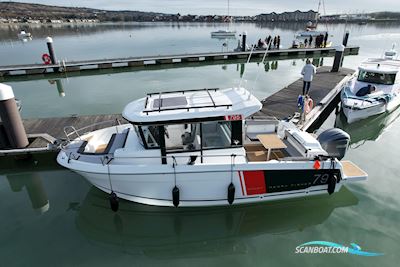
(237, 7)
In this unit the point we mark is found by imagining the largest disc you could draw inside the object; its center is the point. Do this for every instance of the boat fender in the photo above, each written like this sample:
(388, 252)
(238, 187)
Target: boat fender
(114, 202)
(175, 196)
(332, 180)
(231, 193)
(309, 105)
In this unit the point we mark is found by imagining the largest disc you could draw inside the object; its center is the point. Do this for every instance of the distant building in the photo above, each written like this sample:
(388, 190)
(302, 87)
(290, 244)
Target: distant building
(288, 16)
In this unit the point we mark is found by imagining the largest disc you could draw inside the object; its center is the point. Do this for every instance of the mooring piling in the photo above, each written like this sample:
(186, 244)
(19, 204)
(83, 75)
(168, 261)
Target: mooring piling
(244, 37)
(337, 62)
(346, 38)
(52, 54)
(13, 128)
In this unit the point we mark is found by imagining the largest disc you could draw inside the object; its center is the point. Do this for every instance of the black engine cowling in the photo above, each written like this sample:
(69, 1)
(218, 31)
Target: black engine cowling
(334, 141)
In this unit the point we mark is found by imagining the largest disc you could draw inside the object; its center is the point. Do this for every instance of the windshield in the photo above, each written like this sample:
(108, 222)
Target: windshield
(378, 78)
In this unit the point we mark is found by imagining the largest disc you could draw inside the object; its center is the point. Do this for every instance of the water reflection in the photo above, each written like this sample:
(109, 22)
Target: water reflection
(60, 86)
(368, 129)
(34, 187)
(167, 232)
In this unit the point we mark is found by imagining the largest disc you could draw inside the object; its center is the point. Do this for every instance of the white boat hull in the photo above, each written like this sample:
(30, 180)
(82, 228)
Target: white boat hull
(223, 34)
(353, 115)
(208, 185)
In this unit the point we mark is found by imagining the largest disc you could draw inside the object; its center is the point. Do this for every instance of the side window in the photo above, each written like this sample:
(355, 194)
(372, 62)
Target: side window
(217, 134)
(151, 136)
(183, 137)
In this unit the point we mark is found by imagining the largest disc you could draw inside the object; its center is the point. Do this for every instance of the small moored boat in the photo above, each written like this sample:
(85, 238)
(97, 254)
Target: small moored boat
(24, 35)
(374, 89)
(204, 148)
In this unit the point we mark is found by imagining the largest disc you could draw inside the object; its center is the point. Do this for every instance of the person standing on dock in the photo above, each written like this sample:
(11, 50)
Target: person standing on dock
(305, 42)
(311, 39)
(326, 39)
(268, 39)
(308, 72)
(278, 42)
(275, 40)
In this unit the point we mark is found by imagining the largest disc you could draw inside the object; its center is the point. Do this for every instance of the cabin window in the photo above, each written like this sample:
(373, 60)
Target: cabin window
(184, 137)
(150, 136)
(222, 134)
(378, 78)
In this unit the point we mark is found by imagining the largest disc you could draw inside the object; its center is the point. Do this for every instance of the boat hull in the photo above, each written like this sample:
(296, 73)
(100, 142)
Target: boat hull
(210, 188)
(353, 115)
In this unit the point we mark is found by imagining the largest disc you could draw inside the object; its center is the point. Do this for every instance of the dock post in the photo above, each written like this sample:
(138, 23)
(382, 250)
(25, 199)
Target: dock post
(346, 38)
(11, 118)
(244, 36)
(50, 47)
(338, 58)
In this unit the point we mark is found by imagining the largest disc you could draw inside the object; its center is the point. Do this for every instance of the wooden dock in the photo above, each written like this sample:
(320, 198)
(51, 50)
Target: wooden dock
(325, 92)
(134, 62)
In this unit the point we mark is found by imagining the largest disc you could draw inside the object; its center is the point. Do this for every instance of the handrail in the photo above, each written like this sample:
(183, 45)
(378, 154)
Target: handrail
(77, 131)
(105, 159)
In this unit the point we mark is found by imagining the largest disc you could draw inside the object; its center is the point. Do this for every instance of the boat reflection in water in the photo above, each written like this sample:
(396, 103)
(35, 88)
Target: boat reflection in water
(369, 129)
(161, 232)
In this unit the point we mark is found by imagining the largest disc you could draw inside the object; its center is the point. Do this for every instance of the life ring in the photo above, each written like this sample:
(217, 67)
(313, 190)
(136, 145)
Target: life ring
(46, 59)
(309, 105)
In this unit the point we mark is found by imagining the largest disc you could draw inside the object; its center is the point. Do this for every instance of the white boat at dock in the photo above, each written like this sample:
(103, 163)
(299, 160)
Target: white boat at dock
(223, 34)
(374, 89)
(24, 35)
(204, 148)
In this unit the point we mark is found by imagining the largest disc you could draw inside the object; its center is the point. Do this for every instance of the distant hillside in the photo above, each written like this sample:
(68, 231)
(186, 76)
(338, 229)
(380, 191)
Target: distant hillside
(385, 15)
(18, 10)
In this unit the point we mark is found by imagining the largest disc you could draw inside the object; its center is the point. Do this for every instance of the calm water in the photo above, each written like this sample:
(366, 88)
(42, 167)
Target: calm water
(52, 217)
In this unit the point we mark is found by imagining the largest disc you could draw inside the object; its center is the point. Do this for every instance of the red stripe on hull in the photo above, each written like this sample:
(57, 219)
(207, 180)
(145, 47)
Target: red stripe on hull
(255, 182)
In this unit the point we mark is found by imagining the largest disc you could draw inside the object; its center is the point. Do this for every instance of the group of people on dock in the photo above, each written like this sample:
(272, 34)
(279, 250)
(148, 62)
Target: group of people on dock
(319, 42)
(269, 42)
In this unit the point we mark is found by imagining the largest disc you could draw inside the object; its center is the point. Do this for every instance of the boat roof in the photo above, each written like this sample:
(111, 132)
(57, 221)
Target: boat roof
(381, 65)
(191, 104)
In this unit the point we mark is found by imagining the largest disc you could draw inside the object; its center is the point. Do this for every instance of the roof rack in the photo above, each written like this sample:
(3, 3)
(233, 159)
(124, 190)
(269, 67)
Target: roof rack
(160, 94)
(183, 91)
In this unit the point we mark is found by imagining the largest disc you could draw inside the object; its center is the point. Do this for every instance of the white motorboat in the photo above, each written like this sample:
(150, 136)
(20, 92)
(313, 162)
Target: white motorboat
(24, 35)
(373, 89)
(203, 148)
(223, 34)
(309, 32)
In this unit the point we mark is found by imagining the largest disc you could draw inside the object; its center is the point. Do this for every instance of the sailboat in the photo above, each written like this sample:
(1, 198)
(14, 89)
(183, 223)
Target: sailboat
(224, 33)
(311, 27)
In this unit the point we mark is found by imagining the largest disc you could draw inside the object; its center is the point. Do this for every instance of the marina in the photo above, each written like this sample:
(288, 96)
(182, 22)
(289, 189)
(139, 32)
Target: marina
(48, 204)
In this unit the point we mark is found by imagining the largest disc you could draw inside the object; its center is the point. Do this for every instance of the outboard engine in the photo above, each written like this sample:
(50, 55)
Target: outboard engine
(335, 142)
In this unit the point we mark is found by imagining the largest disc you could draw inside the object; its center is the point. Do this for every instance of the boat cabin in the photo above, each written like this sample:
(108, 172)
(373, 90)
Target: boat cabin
(379, 71)
(191, 120)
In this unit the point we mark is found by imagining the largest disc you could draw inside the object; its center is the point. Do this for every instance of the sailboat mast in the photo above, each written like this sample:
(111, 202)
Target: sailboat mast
(317, 15)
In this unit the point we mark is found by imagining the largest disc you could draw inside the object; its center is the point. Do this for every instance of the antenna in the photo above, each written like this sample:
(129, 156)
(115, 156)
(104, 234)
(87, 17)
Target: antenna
(262, 63)
(247, 62)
